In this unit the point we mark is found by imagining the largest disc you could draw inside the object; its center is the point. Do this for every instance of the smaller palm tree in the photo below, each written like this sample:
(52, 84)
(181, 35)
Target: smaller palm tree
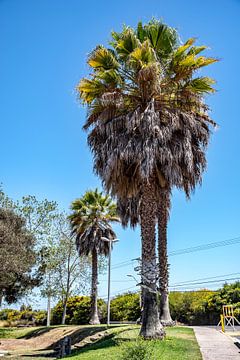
(90, 220)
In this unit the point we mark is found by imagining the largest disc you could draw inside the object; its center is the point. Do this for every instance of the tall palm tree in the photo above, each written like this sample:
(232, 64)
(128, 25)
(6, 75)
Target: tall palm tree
(90, 220)
(149, 128)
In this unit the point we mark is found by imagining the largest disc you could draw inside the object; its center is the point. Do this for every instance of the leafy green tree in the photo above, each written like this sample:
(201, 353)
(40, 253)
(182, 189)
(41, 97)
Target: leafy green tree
(149, 128)
(40, 216)
(126, 307)
(78, 310)
(90, 220)
(18, 258)
(72, 274)
(229, 294)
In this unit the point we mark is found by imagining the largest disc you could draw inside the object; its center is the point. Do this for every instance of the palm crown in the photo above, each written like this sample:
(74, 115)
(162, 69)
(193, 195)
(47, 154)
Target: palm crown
(146, 109)
(90, 221)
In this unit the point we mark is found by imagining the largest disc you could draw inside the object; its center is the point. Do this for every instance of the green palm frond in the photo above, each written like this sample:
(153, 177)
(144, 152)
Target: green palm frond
(163, 38)
(89, 89)
(102, 58)
(125, 43)
(181, 50)
(201, 85)
(197, 49)
(144, 64)
(142, 56)
(90, 221)
(110, 77)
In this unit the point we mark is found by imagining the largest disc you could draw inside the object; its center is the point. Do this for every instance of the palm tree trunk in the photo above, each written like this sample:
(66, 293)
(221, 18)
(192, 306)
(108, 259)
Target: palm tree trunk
(94, 319)
(163, 215)
(151, 326)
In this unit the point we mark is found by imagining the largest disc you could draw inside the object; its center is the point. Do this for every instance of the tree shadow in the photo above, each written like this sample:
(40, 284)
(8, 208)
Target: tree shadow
(110, 340)
(105, 340)
(35, 333)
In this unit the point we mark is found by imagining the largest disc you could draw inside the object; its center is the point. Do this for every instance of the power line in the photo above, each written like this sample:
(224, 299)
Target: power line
(203, 247)
(206, 282)
(189, 283)
(205, 278)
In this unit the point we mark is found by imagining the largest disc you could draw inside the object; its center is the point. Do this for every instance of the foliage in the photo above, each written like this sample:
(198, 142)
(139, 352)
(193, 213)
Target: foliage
(204, 307)
(228, 295)
(143, 98)
(39, 216)
(17, 257)
(23, 317)
(189, 307)
(125, 307)
(138, 349)
(148, 129)
(180, 343)
(78, 310)
(58, 264)
(62, 263)
(90, 220)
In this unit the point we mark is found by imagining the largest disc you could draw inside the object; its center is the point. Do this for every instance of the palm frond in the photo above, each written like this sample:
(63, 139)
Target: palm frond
(102, 58)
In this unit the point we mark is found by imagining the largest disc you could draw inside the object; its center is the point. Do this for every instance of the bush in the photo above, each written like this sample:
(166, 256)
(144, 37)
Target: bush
(204, 307)
(138, 349)
(78, 311)
(24, 317)
(125, 307)
(189, 307)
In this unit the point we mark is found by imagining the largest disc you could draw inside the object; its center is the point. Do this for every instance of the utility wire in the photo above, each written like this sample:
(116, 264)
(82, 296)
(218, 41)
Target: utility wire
(185, 282)
(206, 282)
(212, 282)
(189, 250)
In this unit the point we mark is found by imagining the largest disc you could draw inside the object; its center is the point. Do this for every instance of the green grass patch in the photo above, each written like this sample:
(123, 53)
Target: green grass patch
(15, 333)
(179, 344)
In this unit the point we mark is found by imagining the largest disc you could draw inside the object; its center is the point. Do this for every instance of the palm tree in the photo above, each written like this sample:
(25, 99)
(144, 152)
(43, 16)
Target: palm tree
(149, 128)
(163, 216)
(90, 220)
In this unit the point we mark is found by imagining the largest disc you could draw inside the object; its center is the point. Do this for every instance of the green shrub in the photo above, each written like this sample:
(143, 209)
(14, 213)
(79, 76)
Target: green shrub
(125, 307)
(204, 307)
(40, 318)
(24, 317)
(78, 311)
(138, 349)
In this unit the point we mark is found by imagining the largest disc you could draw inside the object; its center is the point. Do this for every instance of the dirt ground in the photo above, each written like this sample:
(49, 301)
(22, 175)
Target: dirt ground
(40, 344)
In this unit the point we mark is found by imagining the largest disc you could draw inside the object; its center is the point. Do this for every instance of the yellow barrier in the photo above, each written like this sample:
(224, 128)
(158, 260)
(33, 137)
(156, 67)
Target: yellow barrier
(227, 317)
(222, 323)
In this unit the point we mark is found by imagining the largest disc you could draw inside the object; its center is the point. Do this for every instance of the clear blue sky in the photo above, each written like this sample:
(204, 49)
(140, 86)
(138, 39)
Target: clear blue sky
(43, 49)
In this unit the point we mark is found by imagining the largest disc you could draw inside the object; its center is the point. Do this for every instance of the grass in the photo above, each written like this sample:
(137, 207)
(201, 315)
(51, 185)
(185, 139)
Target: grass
(180, 344)
(15, 333)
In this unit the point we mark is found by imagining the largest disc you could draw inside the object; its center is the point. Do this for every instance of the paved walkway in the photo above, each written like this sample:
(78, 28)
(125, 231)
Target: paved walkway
(214, 345)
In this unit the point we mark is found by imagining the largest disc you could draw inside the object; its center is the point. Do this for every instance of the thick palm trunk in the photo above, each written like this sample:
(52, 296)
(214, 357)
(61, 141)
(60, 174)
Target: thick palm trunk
(94, 319)
(163, 215)
(151, 326)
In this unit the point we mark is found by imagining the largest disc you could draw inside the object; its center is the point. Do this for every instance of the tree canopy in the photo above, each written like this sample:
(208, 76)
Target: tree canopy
(18, 259)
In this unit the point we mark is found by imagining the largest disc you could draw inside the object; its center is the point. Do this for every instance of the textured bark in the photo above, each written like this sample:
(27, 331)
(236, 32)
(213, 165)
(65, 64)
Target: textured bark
(49, 311)
(163, 215)
(94, 319)
(64, 311)
(151, 327)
